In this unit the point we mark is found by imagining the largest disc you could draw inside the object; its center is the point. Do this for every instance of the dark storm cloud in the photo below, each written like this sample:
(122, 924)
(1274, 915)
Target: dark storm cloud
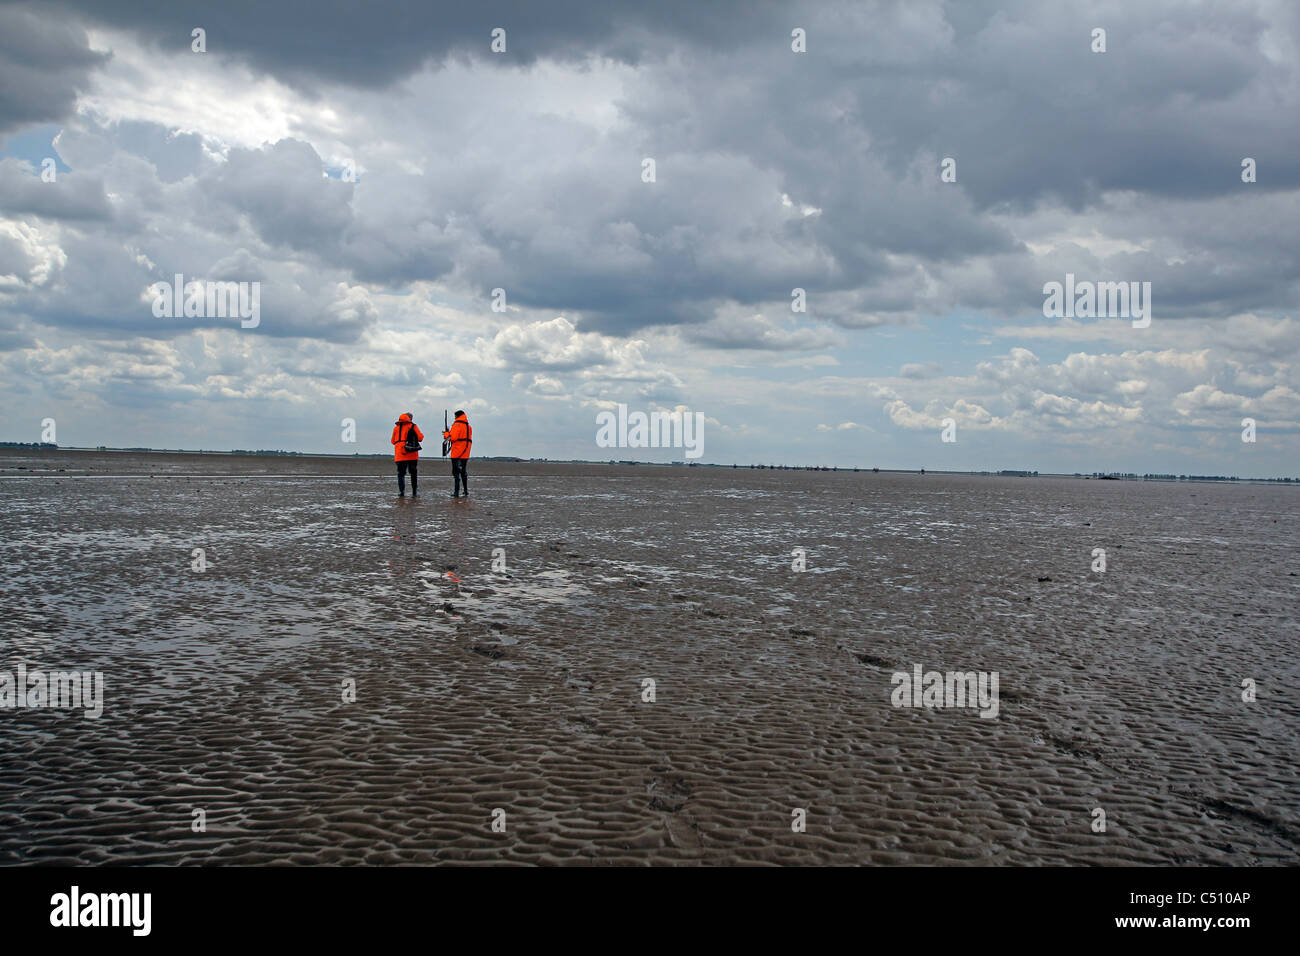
(775, 170)
(44, 63)
(1034, 120)
(375, 43)
(1029, 111)
(856, 128)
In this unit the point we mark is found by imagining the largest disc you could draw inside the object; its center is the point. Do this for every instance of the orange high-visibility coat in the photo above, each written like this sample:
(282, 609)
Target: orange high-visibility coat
(400, 428)
(461, 437)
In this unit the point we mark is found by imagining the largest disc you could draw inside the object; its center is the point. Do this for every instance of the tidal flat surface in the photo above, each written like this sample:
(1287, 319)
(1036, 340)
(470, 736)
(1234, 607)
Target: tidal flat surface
(520, 688)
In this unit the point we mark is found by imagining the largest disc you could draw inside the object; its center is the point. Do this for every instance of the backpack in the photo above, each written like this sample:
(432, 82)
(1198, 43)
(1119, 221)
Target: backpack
(412, 443)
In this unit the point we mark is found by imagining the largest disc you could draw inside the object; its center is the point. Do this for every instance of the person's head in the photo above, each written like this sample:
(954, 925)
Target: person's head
(404, 417)
(460, 412)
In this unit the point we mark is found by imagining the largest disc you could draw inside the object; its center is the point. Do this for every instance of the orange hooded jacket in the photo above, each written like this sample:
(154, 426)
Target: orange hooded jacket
(400, 428)
(461, 436)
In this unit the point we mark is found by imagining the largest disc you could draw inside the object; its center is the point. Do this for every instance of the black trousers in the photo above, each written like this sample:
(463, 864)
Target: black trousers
(459, 475)
(402, 468)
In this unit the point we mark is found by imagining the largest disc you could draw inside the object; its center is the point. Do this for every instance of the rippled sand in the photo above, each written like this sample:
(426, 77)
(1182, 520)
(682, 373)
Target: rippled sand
(522, 689)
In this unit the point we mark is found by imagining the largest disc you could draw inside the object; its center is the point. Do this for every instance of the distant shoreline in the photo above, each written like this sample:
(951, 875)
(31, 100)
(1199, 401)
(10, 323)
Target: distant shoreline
(1005, 473)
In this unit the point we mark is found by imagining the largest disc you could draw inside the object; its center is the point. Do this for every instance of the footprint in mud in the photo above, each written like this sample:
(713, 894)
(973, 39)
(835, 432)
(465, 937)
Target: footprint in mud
(668, 796)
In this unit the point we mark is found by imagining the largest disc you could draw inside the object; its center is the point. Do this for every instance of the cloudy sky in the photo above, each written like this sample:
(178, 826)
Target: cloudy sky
(381, 170)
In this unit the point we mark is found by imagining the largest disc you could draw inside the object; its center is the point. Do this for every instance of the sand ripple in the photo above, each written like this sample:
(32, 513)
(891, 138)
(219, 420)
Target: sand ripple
(520, 688)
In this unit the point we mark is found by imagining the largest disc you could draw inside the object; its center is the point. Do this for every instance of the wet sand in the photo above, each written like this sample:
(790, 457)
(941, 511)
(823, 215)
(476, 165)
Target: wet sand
(522, 689)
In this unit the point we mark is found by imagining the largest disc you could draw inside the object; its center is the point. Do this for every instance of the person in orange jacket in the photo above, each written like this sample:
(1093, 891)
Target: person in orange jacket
(461, 437)
(407, 459)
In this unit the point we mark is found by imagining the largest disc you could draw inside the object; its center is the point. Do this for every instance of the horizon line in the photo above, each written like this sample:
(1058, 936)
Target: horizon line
(1004, 472)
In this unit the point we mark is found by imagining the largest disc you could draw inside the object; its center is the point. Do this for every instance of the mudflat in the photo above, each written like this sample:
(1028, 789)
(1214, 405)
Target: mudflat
(500, 646)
